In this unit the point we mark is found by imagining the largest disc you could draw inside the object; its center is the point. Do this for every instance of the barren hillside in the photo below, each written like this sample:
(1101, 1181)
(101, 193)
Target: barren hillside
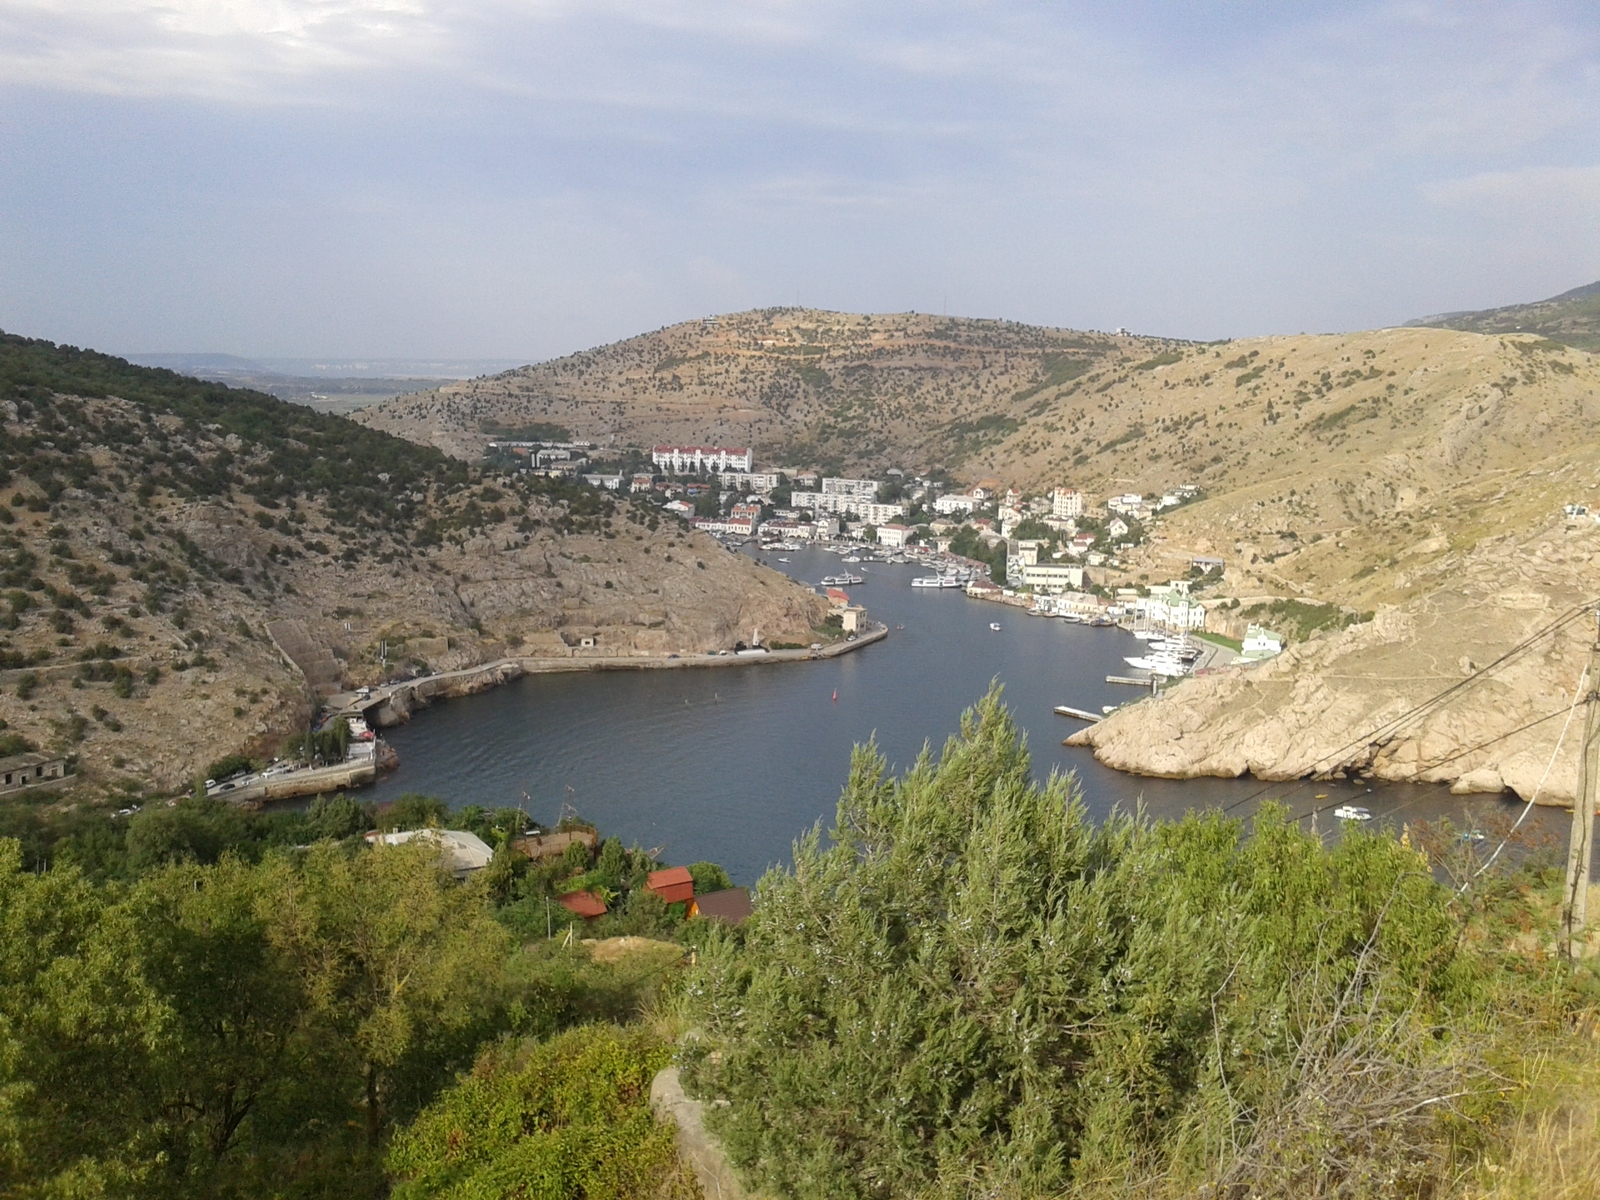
(799, 384)
(1573, 317)
(152, 525)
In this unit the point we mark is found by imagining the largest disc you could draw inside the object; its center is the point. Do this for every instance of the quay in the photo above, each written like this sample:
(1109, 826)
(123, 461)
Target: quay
(393, 703)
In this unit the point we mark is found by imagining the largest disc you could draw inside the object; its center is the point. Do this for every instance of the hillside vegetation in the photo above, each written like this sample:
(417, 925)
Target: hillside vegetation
(151, 526)
(802, 385)
(1573, 317)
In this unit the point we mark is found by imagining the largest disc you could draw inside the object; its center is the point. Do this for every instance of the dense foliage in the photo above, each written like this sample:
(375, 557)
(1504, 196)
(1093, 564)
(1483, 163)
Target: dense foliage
(974, 984)
(569, 1117)
(200, 439)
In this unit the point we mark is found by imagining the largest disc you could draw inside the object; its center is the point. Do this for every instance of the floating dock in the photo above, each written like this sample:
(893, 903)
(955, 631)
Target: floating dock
(1083, 714)
(1149, 681)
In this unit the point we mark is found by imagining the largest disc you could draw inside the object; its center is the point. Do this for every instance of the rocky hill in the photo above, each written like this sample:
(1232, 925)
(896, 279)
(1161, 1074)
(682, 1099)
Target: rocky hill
(799, 384)
(1572, 318)
(1419, 474)
(152, 527)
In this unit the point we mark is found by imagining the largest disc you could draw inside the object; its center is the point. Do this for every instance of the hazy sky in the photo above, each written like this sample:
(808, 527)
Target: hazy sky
(495, 178)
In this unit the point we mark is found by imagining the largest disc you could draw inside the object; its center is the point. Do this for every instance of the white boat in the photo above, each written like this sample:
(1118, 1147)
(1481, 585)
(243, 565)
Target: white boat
(851, 558)
(836, 581)
(782, 559)
(1169, 665)
(1352, 812)
(935, 581)
(1146, 635)
(995, 625)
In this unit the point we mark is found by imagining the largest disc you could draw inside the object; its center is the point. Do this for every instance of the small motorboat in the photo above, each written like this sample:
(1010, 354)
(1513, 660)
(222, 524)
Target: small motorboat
(995, 625)
(781, 559)
(1352, 812)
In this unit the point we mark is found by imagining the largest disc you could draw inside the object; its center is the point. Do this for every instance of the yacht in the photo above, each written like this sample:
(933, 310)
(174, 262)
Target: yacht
(1159, 663)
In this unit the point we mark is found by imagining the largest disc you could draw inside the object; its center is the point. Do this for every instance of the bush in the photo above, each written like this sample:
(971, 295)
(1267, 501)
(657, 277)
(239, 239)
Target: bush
(569, 1117)
(414, 811)
(709, 877)
(974, 982)
(232, 764)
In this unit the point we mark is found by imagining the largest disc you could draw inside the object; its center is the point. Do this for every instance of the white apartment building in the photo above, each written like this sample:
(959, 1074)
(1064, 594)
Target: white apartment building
(1066, 504)
(860, 489)
(694, 459)
(1052, 577)
(955, 502)
(894, 534)
(838, 505)
(762, 481)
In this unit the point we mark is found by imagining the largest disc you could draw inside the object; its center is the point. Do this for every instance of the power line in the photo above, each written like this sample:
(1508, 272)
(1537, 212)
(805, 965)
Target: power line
(1391, 726)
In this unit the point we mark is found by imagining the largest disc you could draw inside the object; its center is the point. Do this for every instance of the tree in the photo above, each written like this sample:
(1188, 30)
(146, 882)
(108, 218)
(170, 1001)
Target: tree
(971, 981)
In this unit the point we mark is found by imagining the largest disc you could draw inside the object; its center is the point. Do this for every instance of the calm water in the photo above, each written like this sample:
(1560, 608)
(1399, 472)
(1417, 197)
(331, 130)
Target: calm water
(732, 764)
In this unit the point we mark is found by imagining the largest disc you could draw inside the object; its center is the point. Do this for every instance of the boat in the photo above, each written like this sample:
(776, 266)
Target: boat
(1352, 812)
(851, 558)
(935, 581)
(836, 581)
(995, 625)
(1169, 665)
(782, 559)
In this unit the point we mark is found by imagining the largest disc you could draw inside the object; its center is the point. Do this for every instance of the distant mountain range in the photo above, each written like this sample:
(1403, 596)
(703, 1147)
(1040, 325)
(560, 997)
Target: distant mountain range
(1572, 318)
(206, 366)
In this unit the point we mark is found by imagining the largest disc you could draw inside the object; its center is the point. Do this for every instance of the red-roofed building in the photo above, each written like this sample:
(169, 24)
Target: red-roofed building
(838, 596)
(586, 904)
(672, 884)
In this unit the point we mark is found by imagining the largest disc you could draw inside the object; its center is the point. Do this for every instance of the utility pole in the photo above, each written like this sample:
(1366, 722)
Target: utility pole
(1580, 845)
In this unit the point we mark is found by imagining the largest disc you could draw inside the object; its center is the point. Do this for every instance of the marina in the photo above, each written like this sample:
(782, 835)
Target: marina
(733, 765)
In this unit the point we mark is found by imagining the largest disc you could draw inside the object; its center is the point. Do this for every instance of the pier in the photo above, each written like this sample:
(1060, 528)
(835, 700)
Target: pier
(1083, 714)
(1150, 681)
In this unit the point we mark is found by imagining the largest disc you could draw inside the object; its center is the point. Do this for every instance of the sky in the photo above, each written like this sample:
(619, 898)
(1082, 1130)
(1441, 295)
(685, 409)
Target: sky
(502, 179)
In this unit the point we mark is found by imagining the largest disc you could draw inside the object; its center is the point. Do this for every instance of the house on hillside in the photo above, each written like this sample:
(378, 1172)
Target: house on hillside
(461, 853)
(672, 884)
(18, 771)
(585, 904)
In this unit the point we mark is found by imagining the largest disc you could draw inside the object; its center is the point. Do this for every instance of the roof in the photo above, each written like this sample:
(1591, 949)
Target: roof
(672, 884)
(585, 904)
(13, 761)
(467, 852)
(731, 905)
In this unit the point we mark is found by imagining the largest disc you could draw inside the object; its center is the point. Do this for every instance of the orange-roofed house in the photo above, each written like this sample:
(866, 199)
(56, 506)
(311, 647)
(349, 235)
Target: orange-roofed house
(672, 884)
(586, 904)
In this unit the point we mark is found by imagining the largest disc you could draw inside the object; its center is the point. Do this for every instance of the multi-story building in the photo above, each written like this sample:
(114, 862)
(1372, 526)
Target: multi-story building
(1052, 577)
(694, 459)
(837, 504)
(894, 534)
(956, 502)
(860, 489)
(1066, 504)
(763, 481)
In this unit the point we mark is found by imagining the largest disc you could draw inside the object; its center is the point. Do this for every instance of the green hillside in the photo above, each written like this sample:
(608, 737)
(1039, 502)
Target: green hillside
(1572, 318)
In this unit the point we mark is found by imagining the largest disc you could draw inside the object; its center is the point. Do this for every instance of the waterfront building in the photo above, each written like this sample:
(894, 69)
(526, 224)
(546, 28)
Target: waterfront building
(894, 534)
(1052, 577)
(1260, 642)
(1066, 504)
(842, 505)
(694, 459)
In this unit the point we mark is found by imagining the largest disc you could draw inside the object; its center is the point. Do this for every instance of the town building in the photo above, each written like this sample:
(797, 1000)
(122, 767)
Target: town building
(673, 884)
(751, 481)
(681, 507)
(1129, 504)
(956, 502)
(860, 489)
(730, 906)
(584, 904)
(18, 771)
(894, 534)
(840, 504)
(1052, 577)
(1066, 504)
(611, 483)
(1260, 642)
(461, 852)
(641, 483)
(695, 459)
